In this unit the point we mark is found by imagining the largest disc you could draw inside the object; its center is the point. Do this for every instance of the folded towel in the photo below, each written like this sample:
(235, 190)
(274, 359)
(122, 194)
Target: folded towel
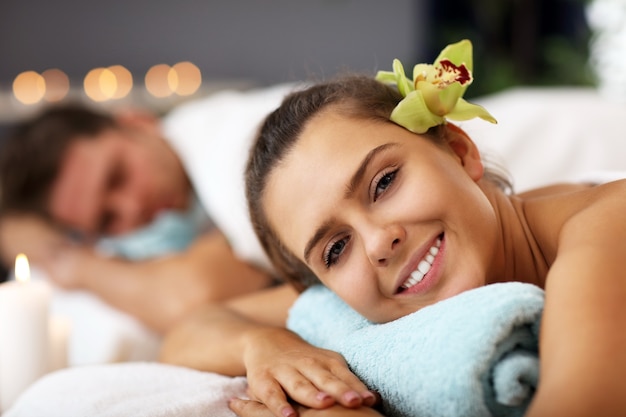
(137, 389)
(474, 354)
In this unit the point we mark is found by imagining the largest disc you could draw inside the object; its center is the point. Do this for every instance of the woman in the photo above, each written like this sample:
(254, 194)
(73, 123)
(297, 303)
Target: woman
(395, 214)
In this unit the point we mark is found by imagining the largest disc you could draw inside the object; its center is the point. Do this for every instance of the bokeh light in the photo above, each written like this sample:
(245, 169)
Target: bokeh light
(158, 81)
(57, 84)
(92, 87)
(108, 83)
(184, 79)
(111, 83)
(189, 78)
(124, 81)
(29, 87)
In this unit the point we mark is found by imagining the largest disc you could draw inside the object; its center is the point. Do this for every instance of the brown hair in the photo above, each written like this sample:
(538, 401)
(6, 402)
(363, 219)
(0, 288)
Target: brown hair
(31, 156)
(355, 96)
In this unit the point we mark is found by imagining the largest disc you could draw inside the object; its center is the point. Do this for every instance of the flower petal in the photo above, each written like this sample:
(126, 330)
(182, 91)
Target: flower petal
(441, 101)
(424, 72)
(386, 77)
(430, 93)
(466, 111)
(413, 114)
(458, 53)
(404, 85)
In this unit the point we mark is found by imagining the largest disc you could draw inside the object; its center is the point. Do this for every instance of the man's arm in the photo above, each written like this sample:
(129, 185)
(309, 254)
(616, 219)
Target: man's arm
(158, 292)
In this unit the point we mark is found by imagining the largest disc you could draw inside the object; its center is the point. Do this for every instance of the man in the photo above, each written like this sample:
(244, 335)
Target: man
(72, 176)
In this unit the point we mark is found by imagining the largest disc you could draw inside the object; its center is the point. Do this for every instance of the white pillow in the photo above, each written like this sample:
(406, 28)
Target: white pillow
(546, 135)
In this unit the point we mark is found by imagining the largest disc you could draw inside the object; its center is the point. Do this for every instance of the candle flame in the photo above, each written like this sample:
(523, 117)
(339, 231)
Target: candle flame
(22, 270)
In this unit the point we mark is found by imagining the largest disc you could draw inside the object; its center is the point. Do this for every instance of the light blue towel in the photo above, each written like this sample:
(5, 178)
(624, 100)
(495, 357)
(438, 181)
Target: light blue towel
(170, 232)
(472, 355)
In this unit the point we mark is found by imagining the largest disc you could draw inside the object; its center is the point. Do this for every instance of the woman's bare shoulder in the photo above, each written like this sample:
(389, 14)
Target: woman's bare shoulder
(574, 195)
(548, 209)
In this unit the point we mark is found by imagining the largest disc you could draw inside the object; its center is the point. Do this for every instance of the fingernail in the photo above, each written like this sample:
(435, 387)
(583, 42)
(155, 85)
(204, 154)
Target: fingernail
(288, 412)
(322, 396)
(368, 397)
(351, 397)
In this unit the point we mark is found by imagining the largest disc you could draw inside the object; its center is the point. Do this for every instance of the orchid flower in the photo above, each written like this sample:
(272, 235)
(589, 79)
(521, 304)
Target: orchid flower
(436, 92)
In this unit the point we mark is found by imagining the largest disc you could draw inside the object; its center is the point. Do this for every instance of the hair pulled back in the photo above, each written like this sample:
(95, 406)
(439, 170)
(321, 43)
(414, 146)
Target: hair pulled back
(355, 96)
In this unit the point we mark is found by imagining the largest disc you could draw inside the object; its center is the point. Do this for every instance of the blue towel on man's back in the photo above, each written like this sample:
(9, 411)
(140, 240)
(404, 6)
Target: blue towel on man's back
(472, 355)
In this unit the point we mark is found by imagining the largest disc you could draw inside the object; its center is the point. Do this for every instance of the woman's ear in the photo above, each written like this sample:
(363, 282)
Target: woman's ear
(466, 150)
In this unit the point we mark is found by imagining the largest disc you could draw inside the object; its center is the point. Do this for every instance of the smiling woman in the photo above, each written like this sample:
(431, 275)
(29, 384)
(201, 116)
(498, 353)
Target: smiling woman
(374, 171)
(343, 192)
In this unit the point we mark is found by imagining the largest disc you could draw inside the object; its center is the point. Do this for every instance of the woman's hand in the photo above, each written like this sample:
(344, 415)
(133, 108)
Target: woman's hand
(280, 364)
(251, 408)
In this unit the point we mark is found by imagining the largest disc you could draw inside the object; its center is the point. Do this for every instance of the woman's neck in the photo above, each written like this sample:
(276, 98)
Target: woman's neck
(519, 256)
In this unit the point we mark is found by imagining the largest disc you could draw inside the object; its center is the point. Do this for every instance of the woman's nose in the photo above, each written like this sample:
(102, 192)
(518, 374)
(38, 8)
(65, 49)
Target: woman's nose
(383, 242)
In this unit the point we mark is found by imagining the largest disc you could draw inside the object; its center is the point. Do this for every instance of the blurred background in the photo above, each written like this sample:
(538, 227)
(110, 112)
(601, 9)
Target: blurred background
(159, 52)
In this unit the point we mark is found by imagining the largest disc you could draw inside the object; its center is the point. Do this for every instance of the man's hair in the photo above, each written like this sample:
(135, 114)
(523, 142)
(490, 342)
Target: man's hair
(32, 154)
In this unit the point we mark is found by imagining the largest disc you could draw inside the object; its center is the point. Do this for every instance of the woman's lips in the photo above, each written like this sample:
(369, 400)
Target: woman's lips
(418, 280)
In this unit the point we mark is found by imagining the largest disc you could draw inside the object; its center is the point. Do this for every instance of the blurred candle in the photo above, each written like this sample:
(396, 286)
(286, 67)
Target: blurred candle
(59, 340)
(24, 332)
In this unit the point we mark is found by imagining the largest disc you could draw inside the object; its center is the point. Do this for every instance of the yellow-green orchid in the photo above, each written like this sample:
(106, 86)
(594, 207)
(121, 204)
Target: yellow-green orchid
(436, 91)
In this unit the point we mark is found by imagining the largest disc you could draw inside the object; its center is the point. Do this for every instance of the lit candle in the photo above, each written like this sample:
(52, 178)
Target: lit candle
(24, 332)
(60, 328)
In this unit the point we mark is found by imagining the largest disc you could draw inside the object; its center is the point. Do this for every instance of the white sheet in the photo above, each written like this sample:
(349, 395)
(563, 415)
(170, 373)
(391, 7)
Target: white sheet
(546, 135)
(129, 390)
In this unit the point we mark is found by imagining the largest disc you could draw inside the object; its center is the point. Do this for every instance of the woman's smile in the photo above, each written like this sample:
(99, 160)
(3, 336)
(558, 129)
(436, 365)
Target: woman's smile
(371, 224)
(423, 276)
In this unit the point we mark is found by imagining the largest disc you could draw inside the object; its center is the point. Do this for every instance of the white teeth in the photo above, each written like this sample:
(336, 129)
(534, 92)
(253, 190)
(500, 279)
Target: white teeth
(416, 276)
(423, 267)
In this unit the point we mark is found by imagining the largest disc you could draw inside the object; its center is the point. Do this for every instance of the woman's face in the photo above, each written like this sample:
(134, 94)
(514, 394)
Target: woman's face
(385, 218)
(117, 182)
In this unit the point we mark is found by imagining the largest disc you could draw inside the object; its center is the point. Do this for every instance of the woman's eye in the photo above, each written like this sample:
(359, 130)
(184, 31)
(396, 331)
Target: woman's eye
(334, 251)
(383, 183)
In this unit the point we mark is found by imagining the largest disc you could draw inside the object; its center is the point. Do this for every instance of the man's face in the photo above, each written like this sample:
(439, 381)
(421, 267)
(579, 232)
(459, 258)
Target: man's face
(117, 182)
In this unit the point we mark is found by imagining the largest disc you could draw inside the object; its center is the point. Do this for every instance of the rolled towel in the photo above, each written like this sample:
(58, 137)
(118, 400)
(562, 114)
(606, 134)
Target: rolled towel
(471, 355)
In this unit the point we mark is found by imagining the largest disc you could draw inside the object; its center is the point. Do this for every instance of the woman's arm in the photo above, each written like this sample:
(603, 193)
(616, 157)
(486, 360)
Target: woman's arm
(247, 337)
(583, 329)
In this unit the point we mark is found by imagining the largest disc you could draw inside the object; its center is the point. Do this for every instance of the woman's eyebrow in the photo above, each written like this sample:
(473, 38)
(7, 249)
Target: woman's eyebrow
(319, 233)
(355, 180)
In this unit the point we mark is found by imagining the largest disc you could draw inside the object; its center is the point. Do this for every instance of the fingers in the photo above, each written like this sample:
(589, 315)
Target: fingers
(313, 384)
(249, 408)
(271, 394)
(343, 385)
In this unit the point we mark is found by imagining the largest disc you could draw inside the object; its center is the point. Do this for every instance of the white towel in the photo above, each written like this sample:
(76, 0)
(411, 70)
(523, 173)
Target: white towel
(133, 389)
